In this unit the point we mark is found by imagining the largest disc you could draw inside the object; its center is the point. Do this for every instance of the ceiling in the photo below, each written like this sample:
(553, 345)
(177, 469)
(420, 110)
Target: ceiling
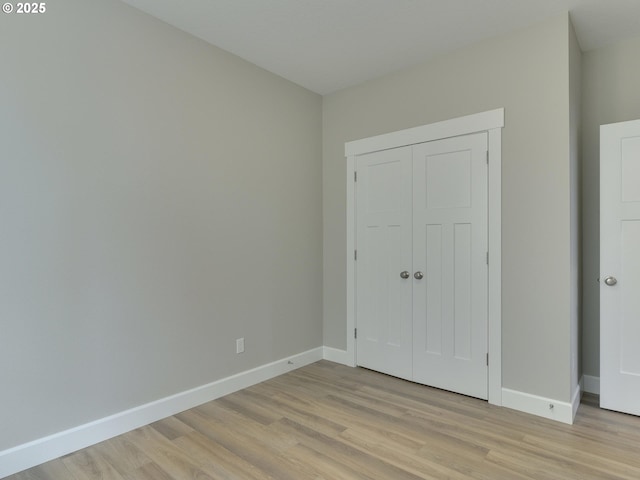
(327, 45)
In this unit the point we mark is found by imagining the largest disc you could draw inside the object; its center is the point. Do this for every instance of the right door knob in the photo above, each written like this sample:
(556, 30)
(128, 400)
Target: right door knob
(418, 275)
(610, 281)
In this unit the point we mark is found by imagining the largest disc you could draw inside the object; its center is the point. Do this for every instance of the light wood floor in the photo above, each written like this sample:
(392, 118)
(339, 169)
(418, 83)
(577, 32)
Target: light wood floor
(331, 422)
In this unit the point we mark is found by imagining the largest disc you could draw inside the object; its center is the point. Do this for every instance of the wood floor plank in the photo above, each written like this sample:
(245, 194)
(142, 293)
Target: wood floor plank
(252, 449)
(122, 454)
(89, 464)
(330, 422)
(406, 460)
(236, 424)
(163, 453)
(216, 458)
(171, 428)
(597, 461)
(243, 403)
(341, 451)
(295, 410)
(329, 466)
(149, 471)
(53, 470)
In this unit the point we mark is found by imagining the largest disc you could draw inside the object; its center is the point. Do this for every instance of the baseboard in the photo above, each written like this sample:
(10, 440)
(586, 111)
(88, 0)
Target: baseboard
(337, 356)
(575, 401)
(540, 406)
(44, 449)
(591, 384)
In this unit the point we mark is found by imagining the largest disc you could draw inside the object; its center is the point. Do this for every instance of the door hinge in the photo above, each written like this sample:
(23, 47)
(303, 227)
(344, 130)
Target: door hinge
(355, 333)
(487, 157)
(355, 254)
(487, 258)
(487, 359)
(355, 176)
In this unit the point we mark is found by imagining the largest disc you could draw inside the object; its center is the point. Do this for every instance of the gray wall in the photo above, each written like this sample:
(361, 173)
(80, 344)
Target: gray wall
(575, 107)
(527, 72)
(159, 198)
(611, 93)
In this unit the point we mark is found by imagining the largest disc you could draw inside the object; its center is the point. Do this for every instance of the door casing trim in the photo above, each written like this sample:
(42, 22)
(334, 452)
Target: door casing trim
(491, 122)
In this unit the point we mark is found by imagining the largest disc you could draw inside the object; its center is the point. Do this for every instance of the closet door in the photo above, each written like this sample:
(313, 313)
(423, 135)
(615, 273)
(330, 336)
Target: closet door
(450, 245)
(421, 271)
(383, 236)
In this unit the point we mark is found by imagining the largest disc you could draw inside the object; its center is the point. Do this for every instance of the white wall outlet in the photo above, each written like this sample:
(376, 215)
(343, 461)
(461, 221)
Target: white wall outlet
(240, 345)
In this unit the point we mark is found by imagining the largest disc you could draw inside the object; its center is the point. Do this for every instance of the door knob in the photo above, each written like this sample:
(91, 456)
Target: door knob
(610, 281)
(404, 274)
(418, 275)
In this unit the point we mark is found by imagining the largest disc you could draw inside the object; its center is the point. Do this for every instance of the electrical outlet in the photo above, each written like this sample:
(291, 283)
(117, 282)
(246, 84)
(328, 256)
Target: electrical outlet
(240, 345)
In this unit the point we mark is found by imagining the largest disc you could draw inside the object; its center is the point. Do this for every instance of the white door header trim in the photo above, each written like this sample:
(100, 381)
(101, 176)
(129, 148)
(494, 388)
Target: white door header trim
(479, 122)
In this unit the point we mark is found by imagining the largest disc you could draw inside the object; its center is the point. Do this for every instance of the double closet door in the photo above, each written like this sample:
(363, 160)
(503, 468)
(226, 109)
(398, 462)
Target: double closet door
(422, 263)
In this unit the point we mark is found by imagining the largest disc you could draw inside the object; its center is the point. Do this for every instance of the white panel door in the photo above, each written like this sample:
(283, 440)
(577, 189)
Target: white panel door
(620, 267)
(450, 245)
(383, 236)
(421, 271)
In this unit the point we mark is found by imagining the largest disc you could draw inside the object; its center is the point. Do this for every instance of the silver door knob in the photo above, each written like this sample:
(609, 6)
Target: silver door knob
(610, 281)
(404, 274)
(418, 275)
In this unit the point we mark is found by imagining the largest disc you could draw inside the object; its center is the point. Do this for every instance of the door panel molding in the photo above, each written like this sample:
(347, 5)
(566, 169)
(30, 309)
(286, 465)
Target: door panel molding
(490, 122)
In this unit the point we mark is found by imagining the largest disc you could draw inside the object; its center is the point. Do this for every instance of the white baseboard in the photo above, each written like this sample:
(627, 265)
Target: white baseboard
(337, 356)
(47, 448)
(591, 384)
(575, 401)
(541, 406)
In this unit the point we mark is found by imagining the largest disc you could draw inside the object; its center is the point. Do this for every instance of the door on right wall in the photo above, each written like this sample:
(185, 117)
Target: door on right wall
(620, 267)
